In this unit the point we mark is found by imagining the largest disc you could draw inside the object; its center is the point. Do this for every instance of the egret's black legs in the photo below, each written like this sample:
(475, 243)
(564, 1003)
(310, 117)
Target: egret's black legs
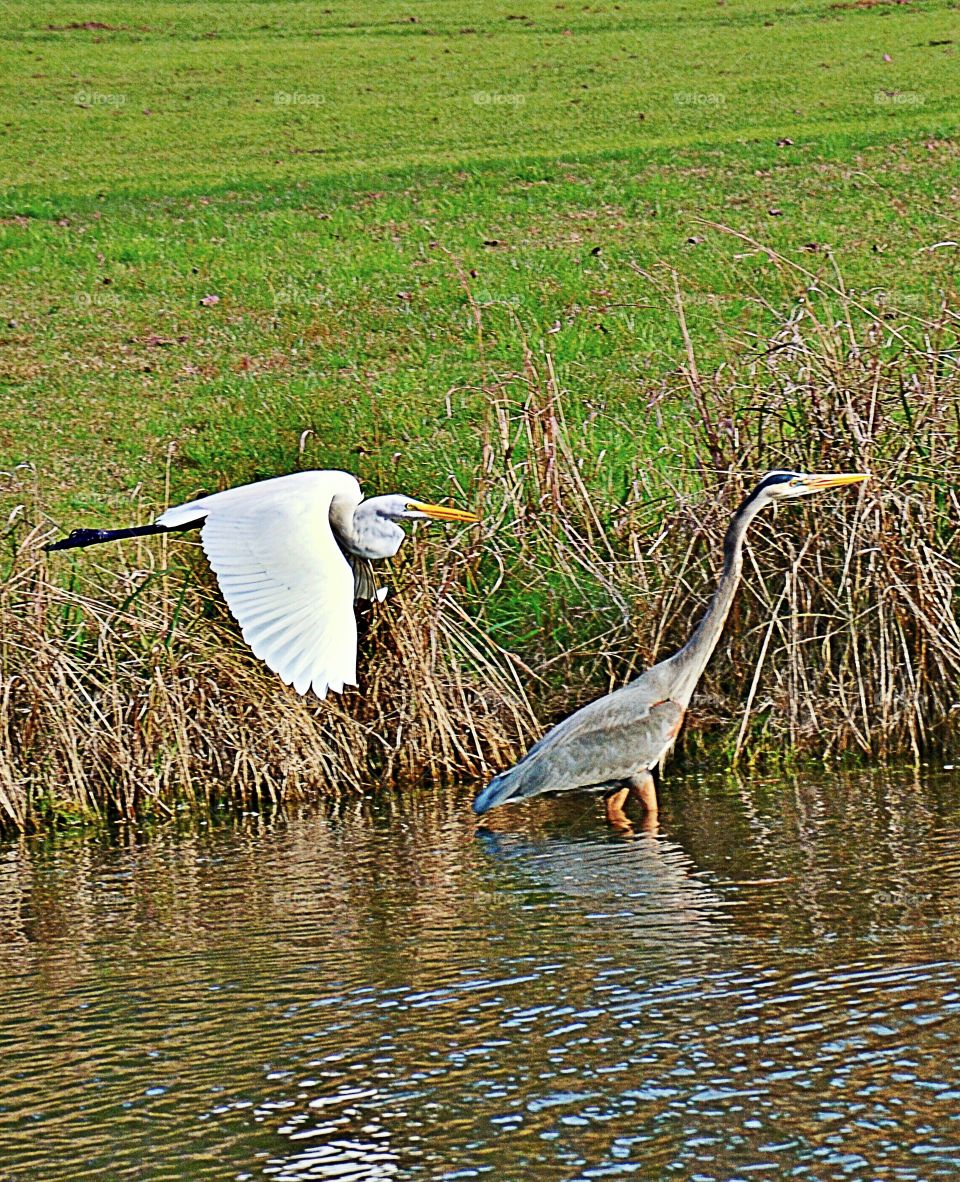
(93, 537)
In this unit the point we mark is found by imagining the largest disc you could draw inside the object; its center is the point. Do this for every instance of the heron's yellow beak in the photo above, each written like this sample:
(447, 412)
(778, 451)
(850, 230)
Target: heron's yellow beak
(821, 480)
(442, 512)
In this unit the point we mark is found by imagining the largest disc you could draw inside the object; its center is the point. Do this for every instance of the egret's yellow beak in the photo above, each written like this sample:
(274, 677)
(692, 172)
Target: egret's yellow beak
(821, 480)
(442, 512)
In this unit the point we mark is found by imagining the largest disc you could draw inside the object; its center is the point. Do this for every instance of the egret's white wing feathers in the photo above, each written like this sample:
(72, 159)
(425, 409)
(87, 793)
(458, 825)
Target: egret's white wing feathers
(283, 575)
(320, 485)
(290, 589)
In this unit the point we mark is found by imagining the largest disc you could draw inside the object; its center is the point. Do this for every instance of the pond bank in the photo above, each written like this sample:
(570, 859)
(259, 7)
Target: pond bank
(128, 691)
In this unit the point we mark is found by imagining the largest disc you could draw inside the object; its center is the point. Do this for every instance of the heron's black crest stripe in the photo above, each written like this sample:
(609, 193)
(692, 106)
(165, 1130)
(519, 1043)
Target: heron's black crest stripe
(768, 480)
(729, 541)
(771, 478)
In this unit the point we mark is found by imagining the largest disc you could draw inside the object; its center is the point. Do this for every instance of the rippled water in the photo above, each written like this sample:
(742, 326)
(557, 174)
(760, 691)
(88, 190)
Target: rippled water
(769, 987)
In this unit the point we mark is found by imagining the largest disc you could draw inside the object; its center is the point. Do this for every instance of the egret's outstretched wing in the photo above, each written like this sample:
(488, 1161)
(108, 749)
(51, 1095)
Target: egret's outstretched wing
(283, 575)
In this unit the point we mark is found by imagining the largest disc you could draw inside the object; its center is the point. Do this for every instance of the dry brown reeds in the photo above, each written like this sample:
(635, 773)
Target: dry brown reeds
(127, 690)
(845, 638)
(131, 692)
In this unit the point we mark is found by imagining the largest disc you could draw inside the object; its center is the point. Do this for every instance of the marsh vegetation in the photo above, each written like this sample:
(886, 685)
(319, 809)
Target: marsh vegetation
(595, 337)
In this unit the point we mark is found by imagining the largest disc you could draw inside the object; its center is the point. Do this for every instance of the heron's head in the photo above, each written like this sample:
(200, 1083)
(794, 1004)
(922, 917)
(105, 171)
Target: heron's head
(397, 507)
(783, 486)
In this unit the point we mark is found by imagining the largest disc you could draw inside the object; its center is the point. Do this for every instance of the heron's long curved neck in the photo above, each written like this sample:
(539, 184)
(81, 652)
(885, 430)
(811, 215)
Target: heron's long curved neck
(689, 663)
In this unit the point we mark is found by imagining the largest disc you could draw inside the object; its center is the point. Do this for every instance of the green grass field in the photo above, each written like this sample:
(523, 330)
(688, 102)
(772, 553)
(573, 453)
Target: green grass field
(338, 177)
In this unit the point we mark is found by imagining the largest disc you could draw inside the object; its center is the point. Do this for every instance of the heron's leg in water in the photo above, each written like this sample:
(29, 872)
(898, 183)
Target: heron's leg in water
(642, 788)
(614, 802)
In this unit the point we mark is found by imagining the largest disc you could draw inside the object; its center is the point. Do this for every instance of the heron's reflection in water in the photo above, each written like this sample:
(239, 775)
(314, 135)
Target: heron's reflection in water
(646, 885)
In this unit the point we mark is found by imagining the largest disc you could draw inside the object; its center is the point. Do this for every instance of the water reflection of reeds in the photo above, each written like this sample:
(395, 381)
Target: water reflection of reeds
(371, 990)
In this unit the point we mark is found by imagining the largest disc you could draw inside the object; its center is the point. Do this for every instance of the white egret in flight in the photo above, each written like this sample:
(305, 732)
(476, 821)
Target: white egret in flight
(613, 744)
(290, 555)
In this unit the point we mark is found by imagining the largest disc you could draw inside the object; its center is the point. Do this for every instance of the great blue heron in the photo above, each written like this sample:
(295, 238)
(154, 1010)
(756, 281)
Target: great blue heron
(614, 743)
(291, 555)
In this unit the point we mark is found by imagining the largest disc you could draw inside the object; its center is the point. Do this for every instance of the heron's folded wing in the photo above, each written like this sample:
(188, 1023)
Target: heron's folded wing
(289, 587)
(607, 742)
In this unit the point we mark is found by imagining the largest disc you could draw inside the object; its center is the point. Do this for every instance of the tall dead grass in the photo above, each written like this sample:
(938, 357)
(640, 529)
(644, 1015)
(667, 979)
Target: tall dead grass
(126, 690)
(130, 691)
(845, 637)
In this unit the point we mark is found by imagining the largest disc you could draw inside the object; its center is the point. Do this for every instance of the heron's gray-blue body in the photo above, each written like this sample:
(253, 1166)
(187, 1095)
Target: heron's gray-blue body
(615, 742)
(608, 743)
(612, 741)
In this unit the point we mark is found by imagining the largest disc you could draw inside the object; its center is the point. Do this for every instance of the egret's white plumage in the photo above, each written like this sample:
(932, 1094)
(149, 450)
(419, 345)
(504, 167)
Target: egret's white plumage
(283, 575)
(290, 555)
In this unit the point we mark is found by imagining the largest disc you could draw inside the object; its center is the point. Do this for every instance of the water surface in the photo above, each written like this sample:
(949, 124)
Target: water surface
(767, 987)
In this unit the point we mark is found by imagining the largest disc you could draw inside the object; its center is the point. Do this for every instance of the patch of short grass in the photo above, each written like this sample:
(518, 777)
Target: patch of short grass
(105, 95)
(338, 178)
(349, 315)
